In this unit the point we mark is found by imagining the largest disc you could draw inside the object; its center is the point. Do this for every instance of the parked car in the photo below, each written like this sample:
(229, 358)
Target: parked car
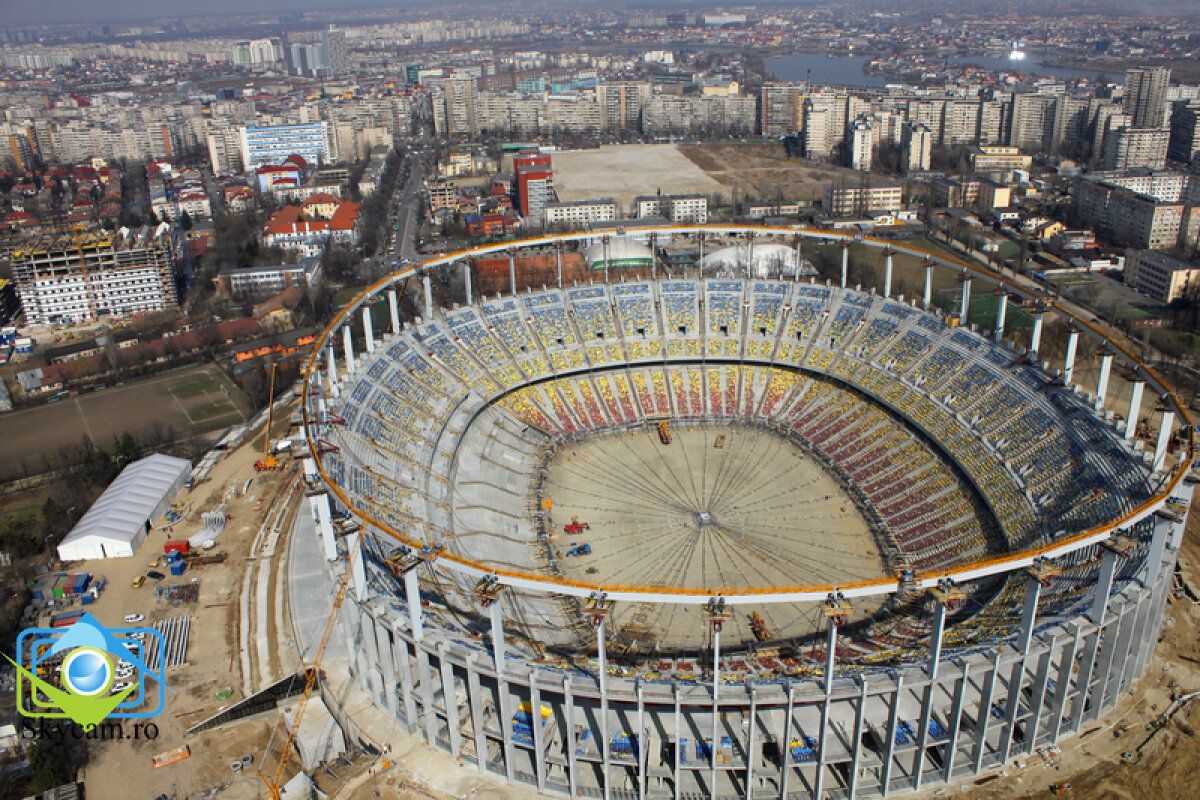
(138, 581)
(132, 618)
(158, 576)
(120, 687)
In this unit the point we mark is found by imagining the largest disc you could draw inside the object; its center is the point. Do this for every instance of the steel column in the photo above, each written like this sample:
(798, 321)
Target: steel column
(1135, 408)
(1069, 364)
(1164, 439)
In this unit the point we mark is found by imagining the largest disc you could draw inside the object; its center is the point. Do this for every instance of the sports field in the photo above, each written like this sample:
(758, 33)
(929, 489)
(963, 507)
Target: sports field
(192, 401)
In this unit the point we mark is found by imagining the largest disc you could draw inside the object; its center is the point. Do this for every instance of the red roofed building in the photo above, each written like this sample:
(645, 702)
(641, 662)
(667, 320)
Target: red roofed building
(291, 229)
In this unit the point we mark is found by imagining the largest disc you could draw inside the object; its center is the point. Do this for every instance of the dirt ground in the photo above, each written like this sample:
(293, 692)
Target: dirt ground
(190, 401)
(1093, 764)
(213, 657)
(624, 172)
(762, 170)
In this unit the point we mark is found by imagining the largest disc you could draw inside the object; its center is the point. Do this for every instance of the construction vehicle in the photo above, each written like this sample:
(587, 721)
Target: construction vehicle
(576, 526)
(664, 433)
(580, 550)
(275, 781)
(759, 628)
(268, 462)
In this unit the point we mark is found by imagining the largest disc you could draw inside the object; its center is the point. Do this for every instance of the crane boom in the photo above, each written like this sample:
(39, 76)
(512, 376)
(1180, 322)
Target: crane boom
(275, 781)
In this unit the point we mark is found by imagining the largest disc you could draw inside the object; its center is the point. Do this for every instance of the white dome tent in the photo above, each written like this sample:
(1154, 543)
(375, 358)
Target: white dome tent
(764, 260)
(117, 523)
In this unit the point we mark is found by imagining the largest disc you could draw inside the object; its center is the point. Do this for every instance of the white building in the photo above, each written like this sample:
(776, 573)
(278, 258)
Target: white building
(265, 281)
(918, 147)
(861, 145)
(681, 209)
(579, 212)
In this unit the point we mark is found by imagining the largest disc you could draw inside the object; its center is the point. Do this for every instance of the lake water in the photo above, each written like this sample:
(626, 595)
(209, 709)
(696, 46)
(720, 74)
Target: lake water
(847, 70)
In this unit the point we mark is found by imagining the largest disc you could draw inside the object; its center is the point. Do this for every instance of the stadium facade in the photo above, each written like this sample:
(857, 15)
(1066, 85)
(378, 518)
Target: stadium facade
(1027, 540)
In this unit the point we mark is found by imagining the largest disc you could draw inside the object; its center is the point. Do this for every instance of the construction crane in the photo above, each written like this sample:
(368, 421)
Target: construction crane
(268, 461)
(274, 781)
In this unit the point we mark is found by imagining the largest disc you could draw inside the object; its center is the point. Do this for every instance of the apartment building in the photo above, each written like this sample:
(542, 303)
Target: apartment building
(271, 144)
(1163, 277)
(840, 201)
(63, 278)
(1134, 219)
(579, 212)
(681, 209)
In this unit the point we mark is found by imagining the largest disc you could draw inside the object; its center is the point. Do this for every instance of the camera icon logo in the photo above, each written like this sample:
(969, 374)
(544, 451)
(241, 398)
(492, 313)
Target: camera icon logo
(88, 673)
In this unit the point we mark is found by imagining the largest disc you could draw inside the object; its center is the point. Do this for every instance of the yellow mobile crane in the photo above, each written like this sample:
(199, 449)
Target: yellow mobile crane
(274, 781)
(268, 461)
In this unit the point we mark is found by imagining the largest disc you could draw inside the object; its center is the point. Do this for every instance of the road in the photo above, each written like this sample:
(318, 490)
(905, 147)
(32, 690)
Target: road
(406, 208)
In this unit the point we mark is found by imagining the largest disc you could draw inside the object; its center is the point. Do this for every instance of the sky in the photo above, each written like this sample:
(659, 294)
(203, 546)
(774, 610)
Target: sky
(15, 13)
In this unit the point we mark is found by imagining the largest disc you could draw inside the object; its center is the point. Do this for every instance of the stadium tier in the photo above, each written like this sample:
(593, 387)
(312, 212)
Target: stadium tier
(620, 523)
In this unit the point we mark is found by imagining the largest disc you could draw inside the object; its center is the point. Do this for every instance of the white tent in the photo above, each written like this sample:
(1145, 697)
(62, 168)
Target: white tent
(764, 260)
(117, 523)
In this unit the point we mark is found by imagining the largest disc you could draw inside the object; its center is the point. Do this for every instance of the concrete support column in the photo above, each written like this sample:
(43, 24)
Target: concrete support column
(569, 710)
(749, 254)
(408, 694)
(856, 745)
(466, 267)
(1069, 364)
(889, 744)
(601, 656)
(348, 348)
(475, 699)
(985, 713)
(887, 273)
(1106, 360)
(1135, 408)
(535, 722)
(449, 701)
(606, 259)
(716, 714)
(749, 740)
(799, 260)
(785, 768)
(320, 506)
(927, 297)
(335, 389)
(387, 662)
(830, 656)
(1001, 312)
(845, 264)
(1033, 591)
(935, 655)
(965, 305)
(368, 329)
(1035, 342)
(512, 272)
(427, 283)
(412, 595)
(956, 721)
(1109, 558)
(1164, 439)
(700, 262)
(497, 619)
(358, 572)
(394, 308)
(558, 262)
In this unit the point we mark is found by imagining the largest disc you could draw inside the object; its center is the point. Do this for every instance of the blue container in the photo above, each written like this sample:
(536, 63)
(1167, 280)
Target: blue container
(177, 567)
(87, 600)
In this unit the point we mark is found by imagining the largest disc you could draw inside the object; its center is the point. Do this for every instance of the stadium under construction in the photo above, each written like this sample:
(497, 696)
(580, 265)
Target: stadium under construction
(741, 536)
